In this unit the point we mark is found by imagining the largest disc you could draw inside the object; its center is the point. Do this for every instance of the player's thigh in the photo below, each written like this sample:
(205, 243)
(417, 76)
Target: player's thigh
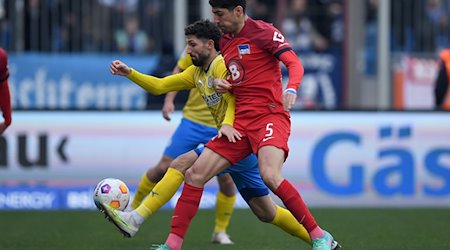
(205, 167)
(270, 160)
(187, 137)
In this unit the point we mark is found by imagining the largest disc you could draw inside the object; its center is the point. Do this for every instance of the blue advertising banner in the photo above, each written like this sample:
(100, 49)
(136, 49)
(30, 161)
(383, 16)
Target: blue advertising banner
(81, 197)
(336, 159)
(75, 81)
(83, 81)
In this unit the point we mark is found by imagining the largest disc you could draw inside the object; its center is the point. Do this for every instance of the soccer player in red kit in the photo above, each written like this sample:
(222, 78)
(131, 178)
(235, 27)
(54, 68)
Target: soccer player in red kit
(252, 51)
(5, 97)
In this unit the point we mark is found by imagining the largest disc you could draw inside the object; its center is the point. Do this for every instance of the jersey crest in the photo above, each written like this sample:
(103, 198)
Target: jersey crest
(210, 82)
(244, 49)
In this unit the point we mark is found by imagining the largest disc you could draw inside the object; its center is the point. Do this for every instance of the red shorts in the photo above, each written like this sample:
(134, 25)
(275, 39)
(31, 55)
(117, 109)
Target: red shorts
(271, 129)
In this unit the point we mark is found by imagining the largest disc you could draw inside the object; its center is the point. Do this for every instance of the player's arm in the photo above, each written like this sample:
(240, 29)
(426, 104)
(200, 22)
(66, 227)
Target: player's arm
(273, 41)
(5, 106)
(227, 129)
(229, 113)
(169, 107)
(295, 70)
(169, 100)
(155, 85)
(5, 96)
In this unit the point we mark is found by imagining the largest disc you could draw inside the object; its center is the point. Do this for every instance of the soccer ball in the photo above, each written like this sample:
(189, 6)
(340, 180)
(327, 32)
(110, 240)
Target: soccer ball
(112, 192)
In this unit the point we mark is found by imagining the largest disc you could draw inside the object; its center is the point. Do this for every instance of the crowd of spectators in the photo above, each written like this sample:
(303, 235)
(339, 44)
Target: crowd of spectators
(136, 26)
(132, 26)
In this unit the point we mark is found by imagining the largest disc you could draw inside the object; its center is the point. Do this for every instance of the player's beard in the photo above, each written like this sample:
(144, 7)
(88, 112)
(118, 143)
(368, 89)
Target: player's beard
(200, 60)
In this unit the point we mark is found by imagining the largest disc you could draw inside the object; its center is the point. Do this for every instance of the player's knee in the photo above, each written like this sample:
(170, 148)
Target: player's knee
(272, 180)
(194, 178)
(190, 176)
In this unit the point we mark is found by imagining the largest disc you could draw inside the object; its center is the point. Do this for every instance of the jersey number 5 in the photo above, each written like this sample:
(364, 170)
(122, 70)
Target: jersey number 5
(277, 37)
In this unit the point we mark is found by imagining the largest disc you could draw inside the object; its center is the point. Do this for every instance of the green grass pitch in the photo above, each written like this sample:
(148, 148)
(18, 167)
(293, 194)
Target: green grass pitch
(354, 228)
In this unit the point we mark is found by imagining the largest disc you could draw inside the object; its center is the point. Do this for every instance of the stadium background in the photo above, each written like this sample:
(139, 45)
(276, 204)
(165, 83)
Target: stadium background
(365, 130)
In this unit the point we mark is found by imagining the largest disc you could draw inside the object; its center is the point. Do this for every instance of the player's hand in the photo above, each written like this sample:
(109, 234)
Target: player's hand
(231, 133)
(119, 68)
(221, 85)
(3, 127)
(167, 109)
(288, 100)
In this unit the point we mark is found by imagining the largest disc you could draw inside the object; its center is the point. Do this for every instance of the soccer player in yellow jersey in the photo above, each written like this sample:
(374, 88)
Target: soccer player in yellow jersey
(202, 39)
(197, 127)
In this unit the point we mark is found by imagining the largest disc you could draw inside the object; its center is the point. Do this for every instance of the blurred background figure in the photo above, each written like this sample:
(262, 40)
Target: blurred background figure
(132, 38)
(300, 30)
(441, 90)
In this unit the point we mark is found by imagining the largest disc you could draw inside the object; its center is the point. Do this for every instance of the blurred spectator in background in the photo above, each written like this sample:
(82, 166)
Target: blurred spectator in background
(370, 53)
(261, 10)
(71, 32)
(299, 29)
(36, 29)
(5, 26)
(157, 22)
(441, 90)
(131, 38)
(335, 23)
(437, 17)
(5, 97)
(327, 18)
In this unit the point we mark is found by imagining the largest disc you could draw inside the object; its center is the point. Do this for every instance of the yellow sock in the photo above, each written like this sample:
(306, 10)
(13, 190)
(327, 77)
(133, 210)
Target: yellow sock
(161, 193)
(144, 187)
(286, 221)
(224, 209)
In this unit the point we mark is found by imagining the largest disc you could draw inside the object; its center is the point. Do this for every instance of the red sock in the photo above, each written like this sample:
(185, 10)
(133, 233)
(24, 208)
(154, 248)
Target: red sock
(294, 203)
(185, 210)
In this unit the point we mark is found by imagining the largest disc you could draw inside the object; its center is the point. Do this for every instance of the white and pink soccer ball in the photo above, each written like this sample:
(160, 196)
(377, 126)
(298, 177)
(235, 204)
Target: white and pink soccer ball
(112, 192)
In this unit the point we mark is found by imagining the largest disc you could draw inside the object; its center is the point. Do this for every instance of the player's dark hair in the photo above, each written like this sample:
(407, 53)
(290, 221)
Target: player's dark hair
(204, 29)
(228, 4)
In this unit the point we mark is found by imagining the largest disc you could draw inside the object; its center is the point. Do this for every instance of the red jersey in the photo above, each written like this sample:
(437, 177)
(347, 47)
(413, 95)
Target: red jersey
(252, 61)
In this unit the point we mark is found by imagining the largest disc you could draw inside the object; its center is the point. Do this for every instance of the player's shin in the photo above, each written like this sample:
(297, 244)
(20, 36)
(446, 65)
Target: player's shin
(185, 210)
(161, 193)
(295, 204)
(286, 221)
(224, 209)
(144, 187)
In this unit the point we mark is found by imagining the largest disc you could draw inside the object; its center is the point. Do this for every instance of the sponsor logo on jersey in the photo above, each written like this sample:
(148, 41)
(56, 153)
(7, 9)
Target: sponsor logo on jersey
(212, 100)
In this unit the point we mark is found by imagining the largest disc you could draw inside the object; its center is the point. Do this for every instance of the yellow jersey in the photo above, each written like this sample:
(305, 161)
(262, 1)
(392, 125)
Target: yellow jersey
(195, 108)
(220, 106)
